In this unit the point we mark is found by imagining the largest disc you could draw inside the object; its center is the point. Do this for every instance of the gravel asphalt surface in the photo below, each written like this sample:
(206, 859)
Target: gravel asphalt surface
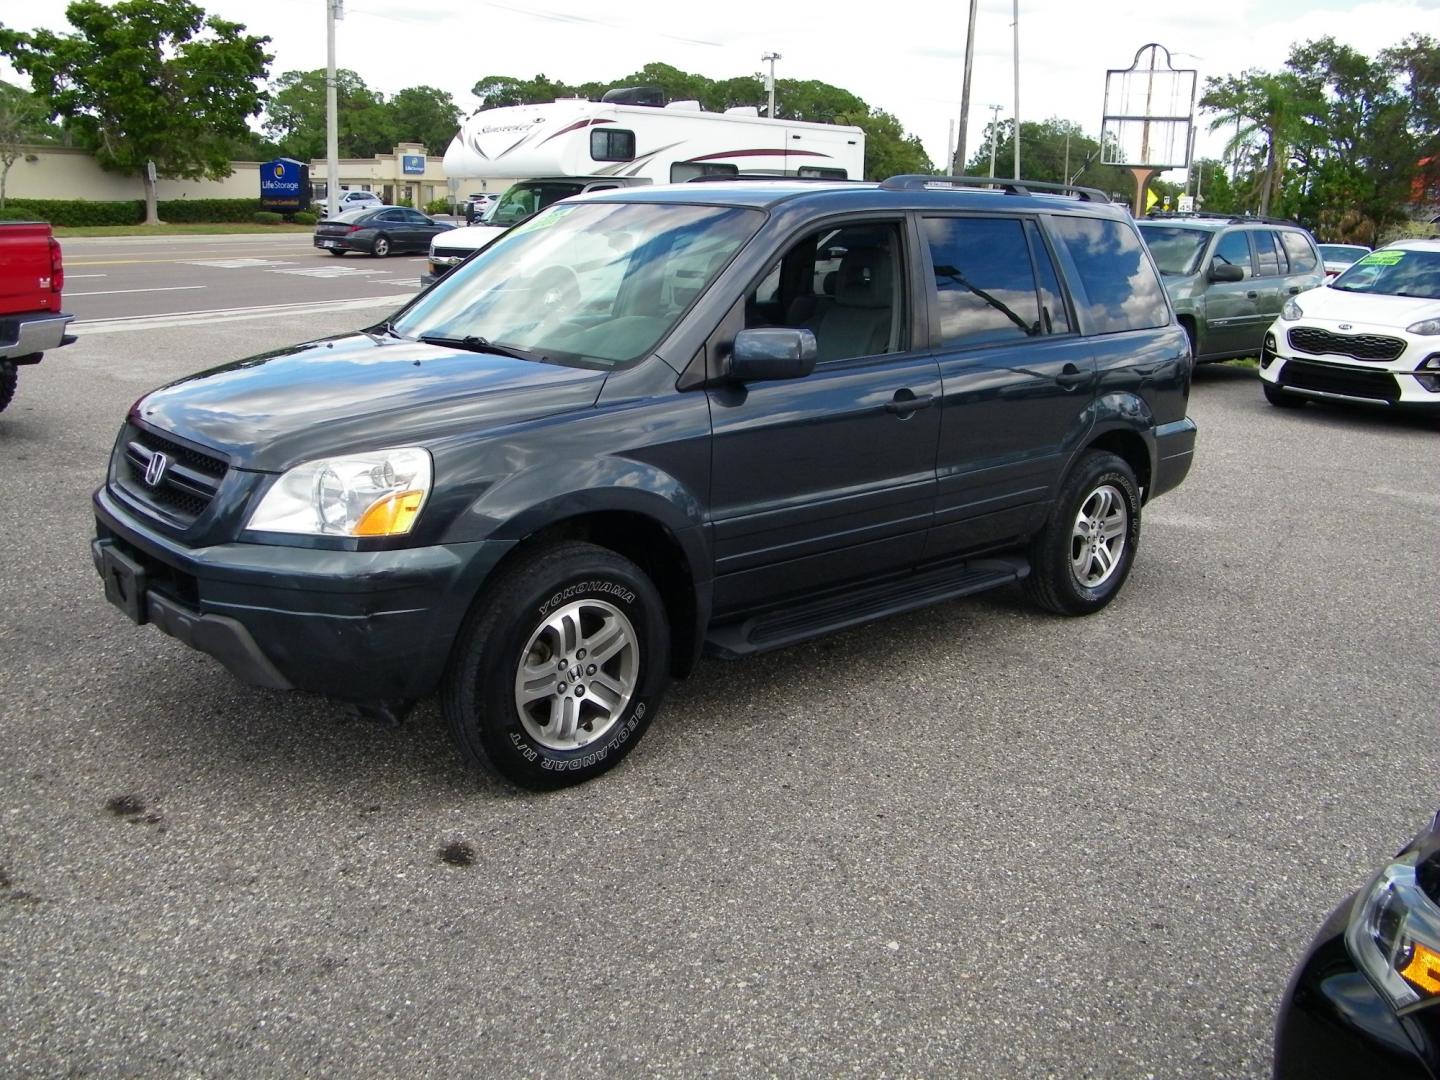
(973, 841)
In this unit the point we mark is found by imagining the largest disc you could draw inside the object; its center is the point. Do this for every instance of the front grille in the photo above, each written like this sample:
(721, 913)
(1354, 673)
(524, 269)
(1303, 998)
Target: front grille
(1356, 346)
(187, 484)
(450, 253)
(1335, 379)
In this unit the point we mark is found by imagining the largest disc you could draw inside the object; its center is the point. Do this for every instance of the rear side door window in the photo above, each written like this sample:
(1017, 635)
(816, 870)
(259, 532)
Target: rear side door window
(1303, 258)
(1120, 286)
(1269, 262)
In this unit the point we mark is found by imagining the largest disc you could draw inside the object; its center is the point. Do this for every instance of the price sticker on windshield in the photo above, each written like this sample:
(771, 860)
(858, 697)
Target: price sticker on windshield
(1382, 258)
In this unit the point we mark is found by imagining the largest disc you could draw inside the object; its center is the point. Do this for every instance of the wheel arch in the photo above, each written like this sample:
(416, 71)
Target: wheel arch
(1130, 446)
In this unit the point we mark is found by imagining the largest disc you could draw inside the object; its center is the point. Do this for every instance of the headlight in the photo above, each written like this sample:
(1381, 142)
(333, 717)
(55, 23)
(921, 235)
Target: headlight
(1291, 311)
(1394, 936)
(1425, 327)
(377, 494)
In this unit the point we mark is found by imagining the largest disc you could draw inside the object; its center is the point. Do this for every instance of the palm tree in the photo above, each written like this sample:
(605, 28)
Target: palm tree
(1264, 108)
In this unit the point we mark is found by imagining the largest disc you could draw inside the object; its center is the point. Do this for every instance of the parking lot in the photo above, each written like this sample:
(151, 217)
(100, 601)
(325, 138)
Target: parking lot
(972, 841)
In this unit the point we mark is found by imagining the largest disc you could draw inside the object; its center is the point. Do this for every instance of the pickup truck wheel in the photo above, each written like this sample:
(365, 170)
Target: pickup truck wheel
(1082, 557)
(559, 668)
(9, 376)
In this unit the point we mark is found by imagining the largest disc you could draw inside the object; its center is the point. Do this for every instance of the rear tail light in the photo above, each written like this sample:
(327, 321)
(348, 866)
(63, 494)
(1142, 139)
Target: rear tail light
(355, 228)
(57, 267)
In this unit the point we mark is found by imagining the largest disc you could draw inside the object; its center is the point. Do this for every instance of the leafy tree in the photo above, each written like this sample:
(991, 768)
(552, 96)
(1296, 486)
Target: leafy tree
(425, 115)
(147, 81)
(1266, 109)
(22, 122)
(296, 116)
(888, 150)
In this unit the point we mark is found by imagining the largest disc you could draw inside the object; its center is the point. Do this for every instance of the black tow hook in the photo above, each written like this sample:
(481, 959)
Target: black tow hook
(391, 712)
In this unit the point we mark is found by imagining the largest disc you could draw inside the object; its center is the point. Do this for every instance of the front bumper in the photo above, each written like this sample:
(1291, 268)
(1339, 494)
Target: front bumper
(1334, 1025)
(1331, 376)
(24, 337)
(357, 625)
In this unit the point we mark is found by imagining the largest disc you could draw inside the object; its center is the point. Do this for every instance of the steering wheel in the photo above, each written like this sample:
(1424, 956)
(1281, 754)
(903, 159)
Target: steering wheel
(556, 290)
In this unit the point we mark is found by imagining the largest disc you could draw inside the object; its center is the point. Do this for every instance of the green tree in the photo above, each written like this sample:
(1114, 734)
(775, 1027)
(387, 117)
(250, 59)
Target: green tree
(295, 118)
(888, 150)
(22, 122)
(426, 115)
(1265, 109)
(147, 81)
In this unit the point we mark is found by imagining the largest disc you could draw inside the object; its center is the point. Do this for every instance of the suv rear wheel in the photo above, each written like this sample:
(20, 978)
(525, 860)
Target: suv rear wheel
(559, 668)
(1082, 557)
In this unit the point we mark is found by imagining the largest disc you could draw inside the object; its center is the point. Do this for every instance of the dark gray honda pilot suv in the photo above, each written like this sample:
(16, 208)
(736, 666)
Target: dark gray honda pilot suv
(657, 421)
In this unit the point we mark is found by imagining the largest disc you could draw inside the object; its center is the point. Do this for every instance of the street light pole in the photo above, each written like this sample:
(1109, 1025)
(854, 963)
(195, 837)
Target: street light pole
(770, 82)
(994, 132)
(334, 9)
(957, 162)
(1016, 7)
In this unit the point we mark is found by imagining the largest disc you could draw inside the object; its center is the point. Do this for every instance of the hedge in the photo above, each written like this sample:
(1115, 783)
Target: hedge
(303, 217)
(132, 212)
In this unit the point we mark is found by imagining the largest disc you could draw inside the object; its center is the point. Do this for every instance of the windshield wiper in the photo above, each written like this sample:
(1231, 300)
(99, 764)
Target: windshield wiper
(474, 343)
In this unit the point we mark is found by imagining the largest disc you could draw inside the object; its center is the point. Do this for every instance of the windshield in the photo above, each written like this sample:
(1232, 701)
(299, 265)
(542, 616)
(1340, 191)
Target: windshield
(1346, 253)
(587, 284)
(1176, 251)
(522, 200)
(1394, 272)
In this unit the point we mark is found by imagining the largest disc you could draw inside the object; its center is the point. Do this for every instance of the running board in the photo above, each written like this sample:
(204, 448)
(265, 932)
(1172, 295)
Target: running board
(812, 618)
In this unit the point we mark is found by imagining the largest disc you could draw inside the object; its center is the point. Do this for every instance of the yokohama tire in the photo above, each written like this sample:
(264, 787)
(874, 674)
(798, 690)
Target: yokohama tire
(1082, 557)
(525, 641)
(9, 376)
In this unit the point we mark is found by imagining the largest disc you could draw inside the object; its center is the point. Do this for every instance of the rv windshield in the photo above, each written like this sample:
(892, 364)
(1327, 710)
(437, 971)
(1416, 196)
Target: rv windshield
(583, 284)
(522, 200)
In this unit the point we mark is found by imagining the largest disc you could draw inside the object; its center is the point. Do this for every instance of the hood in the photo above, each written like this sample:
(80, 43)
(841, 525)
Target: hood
(1372, 309)
(357, 392)
(469, 238)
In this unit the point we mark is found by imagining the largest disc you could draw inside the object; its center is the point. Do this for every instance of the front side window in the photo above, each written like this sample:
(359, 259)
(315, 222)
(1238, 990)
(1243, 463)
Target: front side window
(1234, 250)
(612, 144)
(1122, 291)
(843, 283)
(983, 280)
(586, 285)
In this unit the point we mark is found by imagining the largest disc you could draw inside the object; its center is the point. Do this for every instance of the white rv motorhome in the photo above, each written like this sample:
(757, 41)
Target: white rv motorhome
(574, 145)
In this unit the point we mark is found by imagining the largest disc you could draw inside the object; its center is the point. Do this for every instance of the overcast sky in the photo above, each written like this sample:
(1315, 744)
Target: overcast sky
(904, 56)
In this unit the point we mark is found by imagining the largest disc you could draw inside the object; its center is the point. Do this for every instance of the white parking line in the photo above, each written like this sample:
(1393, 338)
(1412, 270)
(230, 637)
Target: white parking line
(218, 315)
(76, 277)
(117, 292)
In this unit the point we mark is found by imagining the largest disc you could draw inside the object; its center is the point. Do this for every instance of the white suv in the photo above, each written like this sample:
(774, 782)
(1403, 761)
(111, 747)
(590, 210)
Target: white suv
(354, 200)
(1371, 335)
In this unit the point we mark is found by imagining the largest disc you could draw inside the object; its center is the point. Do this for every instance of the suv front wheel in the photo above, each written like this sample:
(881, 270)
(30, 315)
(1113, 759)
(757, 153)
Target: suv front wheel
(1083, 555)
(559, 668)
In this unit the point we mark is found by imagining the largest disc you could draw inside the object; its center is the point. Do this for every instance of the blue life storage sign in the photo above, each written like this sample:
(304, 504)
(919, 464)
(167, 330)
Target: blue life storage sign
(412, 164)
(284, 184)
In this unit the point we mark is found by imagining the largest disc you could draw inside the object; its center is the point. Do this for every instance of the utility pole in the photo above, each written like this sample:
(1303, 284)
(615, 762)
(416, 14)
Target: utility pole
(770, 82)
(334, 9)
(957, 162)
(994, 132)
(1016, 7)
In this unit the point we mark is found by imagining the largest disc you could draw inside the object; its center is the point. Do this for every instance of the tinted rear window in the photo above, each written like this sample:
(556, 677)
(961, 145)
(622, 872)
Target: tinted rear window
(983, 280)
(1122, 291)
(1302, 255)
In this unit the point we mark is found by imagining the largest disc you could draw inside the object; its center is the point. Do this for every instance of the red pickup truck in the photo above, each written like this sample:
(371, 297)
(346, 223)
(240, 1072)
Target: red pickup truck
(31, 277)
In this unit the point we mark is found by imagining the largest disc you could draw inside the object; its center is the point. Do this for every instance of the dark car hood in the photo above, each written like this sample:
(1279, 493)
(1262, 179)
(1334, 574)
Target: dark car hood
(357, 392)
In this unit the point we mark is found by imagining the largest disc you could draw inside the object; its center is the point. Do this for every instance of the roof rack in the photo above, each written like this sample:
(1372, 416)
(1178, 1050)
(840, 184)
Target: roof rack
(770, 176)
(1229, 219)
(919, 182)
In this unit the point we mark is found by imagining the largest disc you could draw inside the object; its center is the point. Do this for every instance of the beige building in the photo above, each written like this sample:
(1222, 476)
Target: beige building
(54, 172)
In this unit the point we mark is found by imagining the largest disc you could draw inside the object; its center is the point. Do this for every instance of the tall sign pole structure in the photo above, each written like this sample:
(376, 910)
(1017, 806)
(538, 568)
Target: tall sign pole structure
(334, 9)
(1017, 88)
(1149, 115)
(957, 160)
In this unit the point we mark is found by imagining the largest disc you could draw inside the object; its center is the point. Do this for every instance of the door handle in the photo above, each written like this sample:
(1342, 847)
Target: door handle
(1070, 376)
(907, 402)
(1253, 295)
(1294, 290)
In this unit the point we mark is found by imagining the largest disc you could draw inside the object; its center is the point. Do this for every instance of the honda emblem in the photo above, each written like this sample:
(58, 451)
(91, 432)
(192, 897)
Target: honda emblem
(155, 469)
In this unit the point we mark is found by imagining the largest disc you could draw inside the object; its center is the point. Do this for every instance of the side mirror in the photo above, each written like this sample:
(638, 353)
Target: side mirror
(1226, 272)
(777, 352)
